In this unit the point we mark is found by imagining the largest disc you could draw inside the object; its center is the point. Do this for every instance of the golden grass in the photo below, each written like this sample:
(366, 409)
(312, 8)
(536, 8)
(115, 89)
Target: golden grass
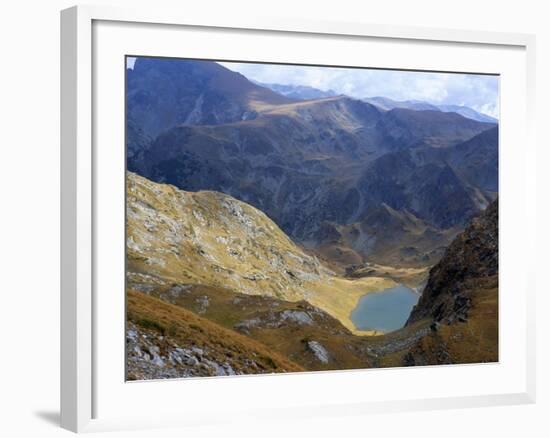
(187, 328)
(291, 108)
(411, 277)
(340, 296)
(477, 339)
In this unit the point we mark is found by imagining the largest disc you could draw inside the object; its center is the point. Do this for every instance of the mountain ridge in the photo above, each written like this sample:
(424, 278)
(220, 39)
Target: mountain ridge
(302, 92)
(163, 93)
(388, 104)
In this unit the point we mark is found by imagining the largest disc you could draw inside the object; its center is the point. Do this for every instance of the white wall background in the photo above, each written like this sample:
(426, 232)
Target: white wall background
(29, 218)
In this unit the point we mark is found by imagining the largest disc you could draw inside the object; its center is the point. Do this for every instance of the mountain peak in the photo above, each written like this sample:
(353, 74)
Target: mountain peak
(162, 93)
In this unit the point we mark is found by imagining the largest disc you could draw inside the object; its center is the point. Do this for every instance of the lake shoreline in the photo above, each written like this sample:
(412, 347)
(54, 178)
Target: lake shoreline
(385, 310)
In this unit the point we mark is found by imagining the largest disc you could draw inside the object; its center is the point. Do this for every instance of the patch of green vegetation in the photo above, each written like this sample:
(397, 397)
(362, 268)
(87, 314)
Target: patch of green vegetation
(148, 323)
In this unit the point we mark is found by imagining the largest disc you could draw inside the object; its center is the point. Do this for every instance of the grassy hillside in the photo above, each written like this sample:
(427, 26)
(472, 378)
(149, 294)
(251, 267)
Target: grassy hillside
(167, 341)
(471, 340)
(296, 330)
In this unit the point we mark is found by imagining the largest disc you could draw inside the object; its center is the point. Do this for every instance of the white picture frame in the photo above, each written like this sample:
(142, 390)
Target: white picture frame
(85, 381)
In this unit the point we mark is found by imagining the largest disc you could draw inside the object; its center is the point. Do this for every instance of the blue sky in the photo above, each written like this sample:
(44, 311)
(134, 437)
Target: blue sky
(479, 92)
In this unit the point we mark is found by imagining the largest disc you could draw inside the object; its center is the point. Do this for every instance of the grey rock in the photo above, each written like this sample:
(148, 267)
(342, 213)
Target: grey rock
(319, 351)
(297, 316)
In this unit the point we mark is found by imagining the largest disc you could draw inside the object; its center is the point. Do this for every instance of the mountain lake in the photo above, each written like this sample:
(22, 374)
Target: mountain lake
(386, 310)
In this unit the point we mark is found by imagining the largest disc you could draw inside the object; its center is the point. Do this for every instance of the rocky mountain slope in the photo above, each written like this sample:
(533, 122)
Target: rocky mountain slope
(461, 298)
(211, 239)
(164, 93)
(166, 341)
(476, 161)
(471, 258)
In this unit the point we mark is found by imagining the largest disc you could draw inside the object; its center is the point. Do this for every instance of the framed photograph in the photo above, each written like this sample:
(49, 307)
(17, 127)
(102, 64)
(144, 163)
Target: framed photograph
(262, 208)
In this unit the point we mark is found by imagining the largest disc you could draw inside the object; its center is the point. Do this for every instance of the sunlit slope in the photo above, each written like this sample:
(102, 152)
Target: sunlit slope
(212, 239)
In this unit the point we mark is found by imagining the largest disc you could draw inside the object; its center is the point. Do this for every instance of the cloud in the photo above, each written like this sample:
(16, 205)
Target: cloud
(479, 92)
(130, 62)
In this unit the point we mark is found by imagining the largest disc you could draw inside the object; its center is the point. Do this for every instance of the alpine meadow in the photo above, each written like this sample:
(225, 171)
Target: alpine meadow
(291, 218)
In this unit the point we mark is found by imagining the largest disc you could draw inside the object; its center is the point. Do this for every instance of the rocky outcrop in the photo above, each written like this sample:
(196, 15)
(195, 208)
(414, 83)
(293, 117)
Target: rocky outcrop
(211, 238)
(319, 351)
(471, 257)
(151, 355)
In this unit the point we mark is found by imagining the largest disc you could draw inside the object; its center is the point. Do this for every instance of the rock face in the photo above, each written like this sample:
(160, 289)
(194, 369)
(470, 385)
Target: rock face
(319, 351)
(470, 259)
(312, 165)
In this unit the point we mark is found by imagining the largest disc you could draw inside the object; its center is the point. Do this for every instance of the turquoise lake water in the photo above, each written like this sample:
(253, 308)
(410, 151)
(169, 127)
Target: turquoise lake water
(385, 311)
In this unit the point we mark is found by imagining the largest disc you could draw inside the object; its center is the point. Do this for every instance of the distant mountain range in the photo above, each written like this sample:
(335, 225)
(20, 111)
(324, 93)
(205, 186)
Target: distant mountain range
(299, 92)
(468, 112)
(303, 93)
(350, 179)
(389, 104)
